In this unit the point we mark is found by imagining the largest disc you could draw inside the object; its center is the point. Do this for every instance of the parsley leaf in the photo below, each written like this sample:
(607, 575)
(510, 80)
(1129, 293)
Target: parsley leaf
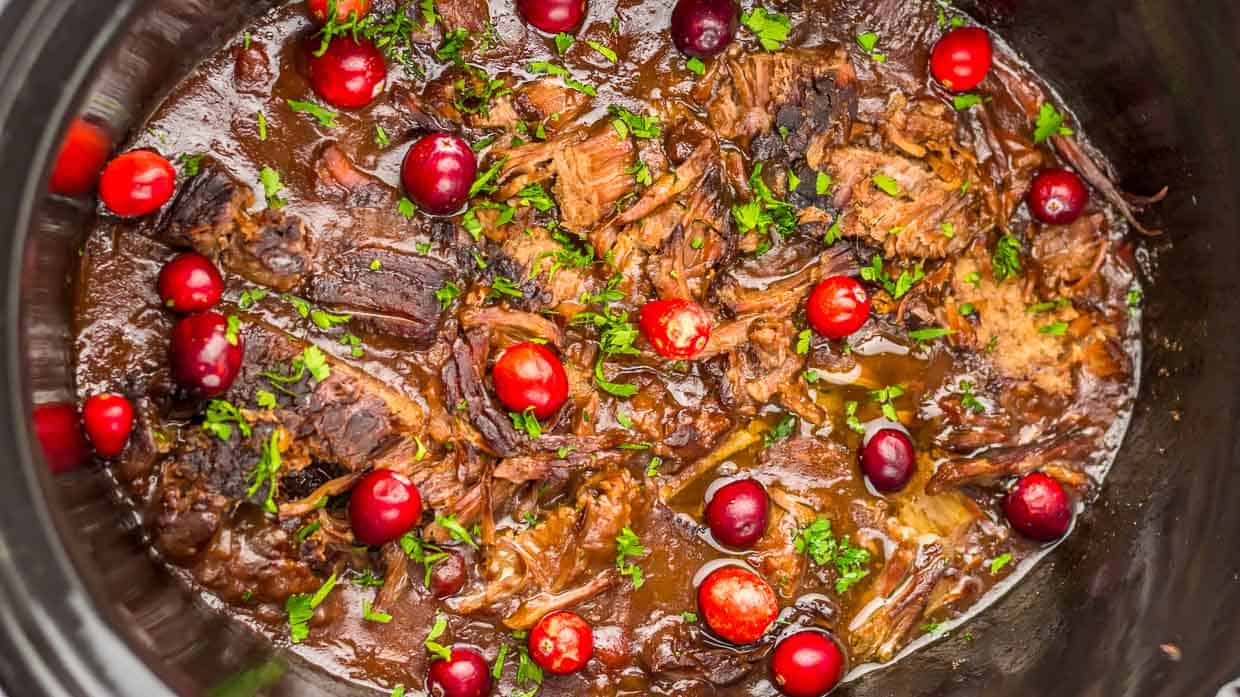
(267, 470)
(968, 400)
(603, 51)
(696, 66)
(455, 529)
(563, 42)
(1049, 123)
(999, 562)
(438, 651)
(326, 320)
(886, 397)
(771, 28)
(502, 285)
(316, 363)
(1005, 261)
(962, 102)
(886, 184)
(526, 421)
(447, 294)
(850, 417)
(370, 615)
(652, 467)
(266, 400)
(535, 195)
(930, 334)
(232, 331)
(381, 137)
(220, 414)
(272, 187)
(628, 545)
(1054, 329)
(300, 608)
(626, 122)
(803, 341)
(326, 117)
(484, 182)
(191, 164)
(822, 183)
(817, 541)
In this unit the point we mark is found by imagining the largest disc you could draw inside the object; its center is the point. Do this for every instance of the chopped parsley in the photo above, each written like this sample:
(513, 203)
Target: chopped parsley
(563, 42)
(447, 294)
(455, 529)
(886, 184)
(949, 230)
(689, 617)
(265, 399)
(999, 562)
(967, 309)
(652, 468)
(771, 28)
(546, 68)
(1054, 329)
(306, 531)
(326, 320)
(232, 330)
(603, 51)
(628, 545)
(1048, 306)
(375, 264)
(300, 608)
(696, 66)
(781, 430)
(392, 34)
(641, 173)
(484, 182)
(272, 187)
(526, 421)
(398, 691)
(803, 341)
(969, 400)
(262, 126)
(626, 122)
(616, 336)
(820, 545)
(220, 416)
(371, 615)
(420, 552)
(974, 279)
(502, 285)
(438, 651)
(1049, 123)
(822, 183)
(405, 207)
(381, 137)
(764, 211)
(868, 41)
(850, 417)
(963, 102)
(428, 13)
(368, 579)
(497, 669)
(476, 96)
(325, 117)
(535, 195)
(316, 362)
(191, 164)
(267, 470)
(930, 334)
(1134, 299)
(898, 288)
(453, 42)
(885, 397)
(1005, 261)
(527, 670)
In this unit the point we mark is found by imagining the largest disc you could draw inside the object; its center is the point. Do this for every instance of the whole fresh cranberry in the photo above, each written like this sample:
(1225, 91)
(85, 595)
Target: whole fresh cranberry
(553, 16)
(190, 283)
(530, 376)
(675, 327)
(465, 674)
(737, 513)
(109, 421)
(703, 28)
(837, 307)
(887, 459)
(349, 74)
(206, 353)
(1039, 508)
(807, 664)
(737, 605)
(438, 172)
(961, 59)
(561, 643)
(137, 183)
(59, 432)
(344, 8)
(1057, 196)
(82, 154)
(383, 506)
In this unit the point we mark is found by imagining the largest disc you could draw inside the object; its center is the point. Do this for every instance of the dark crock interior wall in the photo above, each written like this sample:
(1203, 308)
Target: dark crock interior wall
(83, 610)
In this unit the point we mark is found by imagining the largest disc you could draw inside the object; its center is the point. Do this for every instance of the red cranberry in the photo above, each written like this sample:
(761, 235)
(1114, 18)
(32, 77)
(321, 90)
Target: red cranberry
(349, 74)
(438, 173)
(807, 664)
(530, 376)
(205, 355)
(81, 158)
(1038, 508)
(1057, 196)
(561, 642)
(59, 432)
(448, 575)
(837, 307)
(344, 8)
(888, 460)
(466, 674)
(961, 59)
(137, 183)
(553, 16)
(190, 283)
(737, 513)
(703, 28)
(383, 506)
(109, 420)
(676, 328)
(737, 605)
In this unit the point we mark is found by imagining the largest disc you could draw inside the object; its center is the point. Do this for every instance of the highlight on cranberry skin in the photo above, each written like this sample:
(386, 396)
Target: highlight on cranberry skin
(137, 183)
(1057, 196)
(206, 354)
(553, 16)
(59, 432)
(80, 160)
(109, 421)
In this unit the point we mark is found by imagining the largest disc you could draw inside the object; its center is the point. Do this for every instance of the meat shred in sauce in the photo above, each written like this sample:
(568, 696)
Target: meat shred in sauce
(1032, 367)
